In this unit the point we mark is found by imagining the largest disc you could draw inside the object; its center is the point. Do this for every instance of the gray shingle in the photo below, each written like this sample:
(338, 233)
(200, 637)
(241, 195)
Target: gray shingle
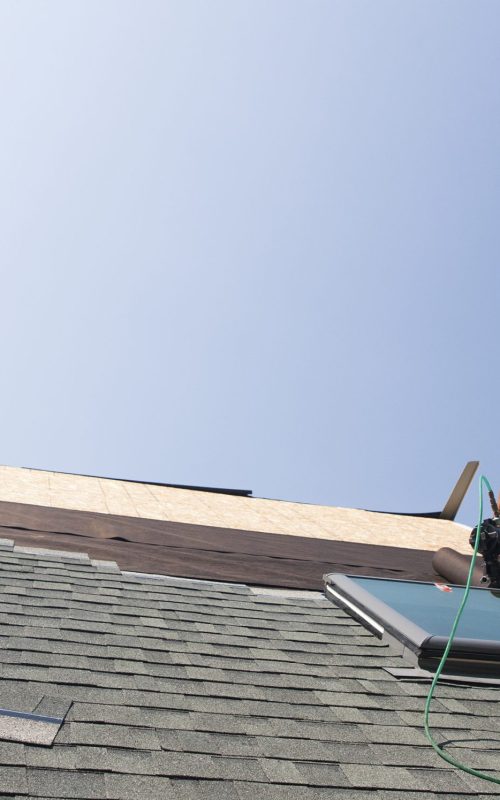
(132, 787)
(18, 697)
(118, 760)
(442, 778)
(249, 791)
(270, 747)
(12, 753)
(114, 714)
(369, 776)
(65, 784)
(194, 692)
(387, 794)
(387, 734)
(29, 731)
(109, 736)
(315, 774)
(222, 723)
(205, 790)
(280, 771)
(245, 769)
(59, 757)
(13, 780)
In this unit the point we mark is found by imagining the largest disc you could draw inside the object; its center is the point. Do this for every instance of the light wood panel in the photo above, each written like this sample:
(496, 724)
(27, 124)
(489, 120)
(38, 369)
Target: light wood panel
(106, 496)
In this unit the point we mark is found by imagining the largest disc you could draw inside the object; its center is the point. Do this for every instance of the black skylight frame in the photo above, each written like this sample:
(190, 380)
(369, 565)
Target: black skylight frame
(478, 657)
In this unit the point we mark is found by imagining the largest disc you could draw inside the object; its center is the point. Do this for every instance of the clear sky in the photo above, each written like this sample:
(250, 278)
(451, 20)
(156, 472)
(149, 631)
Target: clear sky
(253, 244)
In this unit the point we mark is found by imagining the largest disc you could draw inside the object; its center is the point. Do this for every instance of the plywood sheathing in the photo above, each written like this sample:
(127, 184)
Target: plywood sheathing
(57, 490)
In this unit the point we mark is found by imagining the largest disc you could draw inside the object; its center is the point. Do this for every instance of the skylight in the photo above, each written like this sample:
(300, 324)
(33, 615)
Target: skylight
(418, 618)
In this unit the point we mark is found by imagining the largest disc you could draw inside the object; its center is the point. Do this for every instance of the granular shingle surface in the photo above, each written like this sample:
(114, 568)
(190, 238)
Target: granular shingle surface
(199, 691)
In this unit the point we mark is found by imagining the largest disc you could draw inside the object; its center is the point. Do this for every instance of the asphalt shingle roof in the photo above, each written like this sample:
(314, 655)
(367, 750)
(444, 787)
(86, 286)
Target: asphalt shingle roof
(198, 691)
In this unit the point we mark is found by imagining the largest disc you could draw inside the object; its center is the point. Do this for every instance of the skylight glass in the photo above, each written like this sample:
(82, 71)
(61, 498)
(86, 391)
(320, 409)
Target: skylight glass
(418, 618)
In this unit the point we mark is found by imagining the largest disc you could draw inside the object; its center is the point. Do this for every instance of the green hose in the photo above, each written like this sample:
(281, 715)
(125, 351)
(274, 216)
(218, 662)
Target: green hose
(437, 748)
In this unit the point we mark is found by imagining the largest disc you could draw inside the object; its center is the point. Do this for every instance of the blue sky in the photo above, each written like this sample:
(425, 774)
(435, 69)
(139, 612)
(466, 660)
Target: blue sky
(252, 244)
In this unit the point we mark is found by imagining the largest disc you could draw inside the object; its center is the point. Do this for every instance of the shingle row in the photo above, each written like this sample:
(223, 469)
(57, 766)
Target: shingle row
(194, 691)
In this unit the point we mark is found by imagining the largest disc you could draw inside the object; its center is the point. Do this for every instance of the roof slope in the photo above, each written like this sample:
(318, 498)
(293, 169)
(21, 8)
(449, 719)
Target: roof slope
(150, 501)
(196, 691)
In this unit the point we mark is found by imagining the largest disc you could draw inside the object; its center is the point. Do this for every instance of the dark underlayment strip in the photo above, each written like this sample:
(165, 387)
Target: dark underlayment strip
(4, 712)
(206, 552)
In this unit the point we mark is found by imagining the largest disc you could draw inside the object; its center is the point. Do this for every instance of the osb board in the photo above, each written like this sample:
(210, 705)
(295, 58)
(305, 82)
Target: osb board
(147, 501)
(209, 553)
